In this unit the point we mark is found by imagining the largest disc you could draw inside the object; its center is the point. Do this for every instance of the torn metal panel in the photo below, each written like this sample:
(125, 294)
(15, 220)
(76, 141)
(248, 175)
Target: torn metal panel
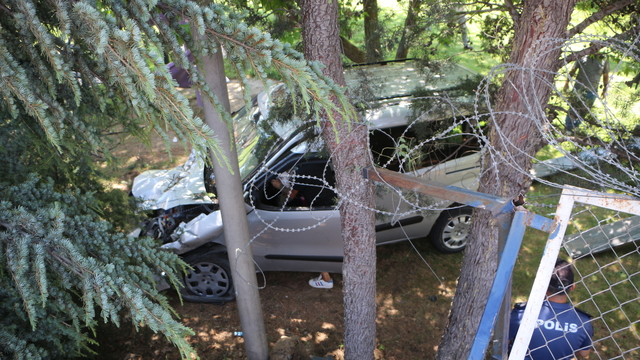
(166, 189)
(565, 164)
(196, 233)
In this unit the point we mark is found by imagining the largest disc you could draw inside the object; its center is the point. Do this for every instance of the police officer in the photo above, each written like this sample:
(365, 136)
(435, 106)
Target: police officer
(563, 331)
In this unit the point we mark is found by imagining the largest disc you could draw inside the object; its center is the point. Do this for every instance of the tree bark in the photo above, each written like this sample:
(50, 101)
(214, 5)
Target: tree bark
(371, 30)
(234, 216)
(514, 138)
(349, 155)
(352, 52)
(407, 31)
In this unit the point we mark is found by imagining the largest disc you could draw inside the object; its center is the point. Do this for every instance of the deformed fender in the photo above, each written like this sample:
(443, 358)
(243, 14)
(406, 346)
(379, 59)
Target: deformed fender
(196, 233)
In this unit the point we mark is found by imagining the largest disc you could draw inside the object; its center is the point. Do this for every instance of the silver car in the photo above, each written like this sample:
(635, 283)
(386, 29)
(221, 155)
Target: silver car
(291, 199)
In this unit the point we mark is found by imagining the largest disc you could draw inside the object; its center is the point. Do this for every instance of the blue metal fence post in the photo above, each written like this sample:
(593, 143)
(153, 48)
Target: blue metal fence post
(511, 233)
(501, 328)
(495, 302)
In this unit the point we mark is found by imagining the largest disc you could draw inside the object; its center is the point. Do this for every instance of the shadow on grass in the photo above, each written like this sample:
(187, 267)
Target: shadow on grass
(412, 309)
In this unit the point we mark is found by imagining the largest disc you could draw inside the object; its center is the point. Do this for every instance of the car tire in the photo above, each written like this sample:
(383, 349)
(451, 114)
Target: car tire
(209, 279)
(450, 231)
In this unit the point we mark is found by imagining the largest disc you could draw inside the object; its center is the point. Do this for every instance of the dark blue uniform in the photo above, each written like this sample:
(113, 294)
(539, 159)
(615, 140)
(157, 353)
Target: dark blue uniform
(562, 330)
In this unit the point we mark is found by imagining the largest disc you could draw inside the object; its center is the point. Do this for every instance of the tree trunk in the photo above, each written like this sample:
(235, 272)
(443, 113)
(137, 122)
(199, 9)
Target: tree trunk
(234, 216)
(372, 30)
(349, 155)
(514, 135)
(407, 31)
(352, 52)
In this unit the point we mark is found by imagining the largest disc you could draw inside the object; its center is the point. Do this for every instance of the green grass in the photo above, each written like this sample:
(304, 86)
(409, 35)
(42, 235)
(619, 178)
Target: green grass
(391, 15)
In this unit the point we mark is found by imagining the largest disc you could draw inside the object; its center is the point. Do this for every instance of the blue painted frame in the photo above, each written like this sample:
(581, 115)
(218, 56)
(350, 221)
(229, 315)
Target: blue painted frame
(499, 207)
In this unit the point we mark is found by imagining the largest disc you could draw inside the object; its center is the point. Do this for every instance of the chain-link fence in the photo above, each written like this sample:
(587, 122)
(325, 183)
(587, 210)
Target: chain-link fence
(599, 239)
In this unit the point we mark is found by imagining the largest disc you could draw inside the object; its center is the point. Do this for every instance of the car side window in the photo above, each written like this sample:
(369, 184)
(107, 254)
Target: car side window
(384, 143)
(406, 148)
(300, 185)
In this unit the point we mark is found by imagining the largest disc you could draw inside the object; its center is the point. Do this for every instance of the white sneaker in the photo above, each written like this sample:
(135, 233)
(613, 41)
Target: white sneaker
(321, 284)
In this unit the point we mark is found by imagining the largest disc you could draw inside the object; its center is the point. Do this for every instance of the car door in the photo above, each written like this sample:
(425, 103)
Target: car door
(401, 213)
(301, 235)
(398, 215)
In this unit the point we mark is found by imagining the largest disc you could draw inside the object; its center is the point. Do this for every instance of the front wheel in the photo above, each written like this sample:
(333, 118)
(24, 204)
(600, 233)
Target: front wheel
(209, 280)
(451, 230)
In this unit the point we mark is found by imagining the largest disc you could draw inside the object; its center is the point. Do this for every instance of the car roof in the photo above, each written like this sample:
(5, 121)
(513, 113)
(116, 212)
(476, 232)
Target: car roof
(393, 84)
(388, 88)
(400, 78)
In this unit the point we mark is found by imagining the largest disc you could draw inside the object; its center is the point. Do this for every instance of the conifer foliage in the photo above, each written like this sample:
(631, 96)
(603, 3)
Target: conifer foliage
(57, 55)
(69, 69)
(60, 263)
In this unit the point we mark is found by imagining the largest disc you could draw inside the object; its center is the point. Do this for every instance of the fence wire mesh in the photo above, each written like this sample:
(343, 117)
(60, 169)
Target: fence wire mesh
(607, 269)
(599, 241)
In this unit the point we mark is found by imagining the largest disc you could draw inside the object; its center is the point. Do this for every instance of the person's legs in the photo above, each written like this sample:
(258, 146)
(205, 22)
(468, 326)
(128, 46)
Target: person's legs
(323, 281)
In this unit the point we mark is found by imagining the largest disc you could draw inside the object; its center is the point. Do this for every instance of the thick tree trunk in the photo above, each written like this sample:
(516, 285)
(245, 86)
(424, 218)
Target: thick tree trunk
(349, 155)
(372, 30)
(514, 136)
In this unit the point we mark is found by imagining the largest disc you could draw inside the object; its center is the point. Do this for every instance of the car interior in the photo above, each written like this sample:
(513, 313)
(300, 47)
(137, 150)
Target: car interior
(313, 179)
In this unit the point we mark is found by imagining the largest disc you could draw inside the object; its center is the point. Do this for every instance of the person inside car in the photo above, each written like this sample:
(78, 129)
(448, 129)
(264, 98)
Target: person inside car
(309, 191)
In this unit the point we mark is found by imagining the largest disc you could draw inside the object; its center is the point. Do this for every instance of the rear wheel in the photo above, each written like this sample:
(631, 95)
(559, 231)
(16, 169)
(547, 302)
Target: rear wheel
(209, 280)
(451, 230)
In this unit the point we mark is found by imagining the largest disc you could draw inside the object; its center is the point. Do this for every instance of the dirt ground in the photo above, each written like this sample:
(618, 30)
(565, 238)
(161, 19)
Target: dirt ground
(412, 301)
(412, 309)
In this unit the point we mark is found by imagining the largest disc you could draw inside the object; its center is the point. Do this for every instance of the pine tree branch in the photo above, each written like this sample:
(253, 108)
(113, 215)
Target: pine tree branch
(597, 16)
(250, 48)
(70, 265)
(487, 8)
(25, 301)
(485, 3)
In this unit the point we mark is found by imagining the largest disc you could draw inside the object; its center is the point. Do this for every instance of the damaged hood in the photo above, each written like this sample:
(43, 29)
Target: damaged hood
(165, 189)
